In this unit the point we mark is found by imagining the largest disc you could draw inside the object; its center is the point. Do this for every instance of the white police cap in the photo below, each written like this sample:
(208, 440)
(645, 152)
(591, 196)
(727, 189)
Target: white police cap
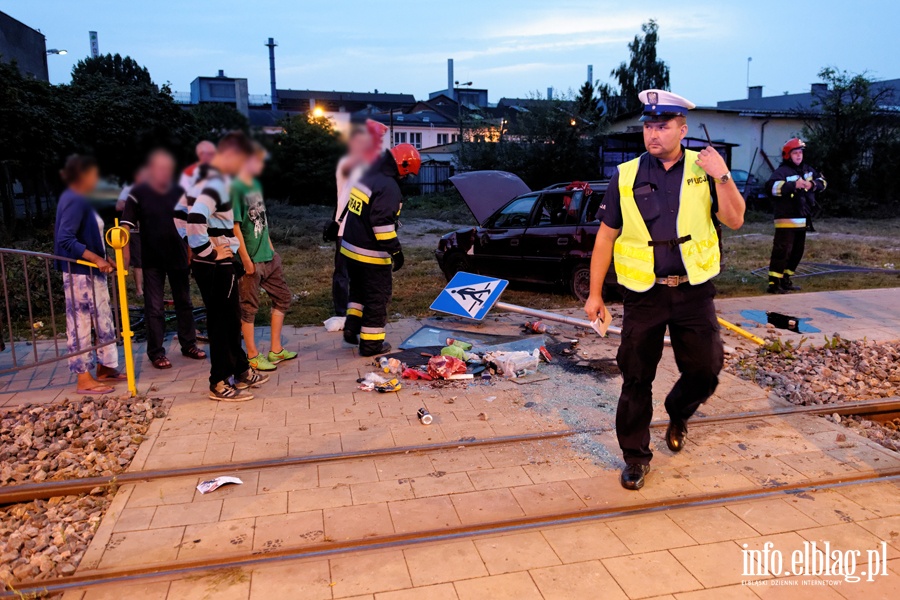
(662, 105)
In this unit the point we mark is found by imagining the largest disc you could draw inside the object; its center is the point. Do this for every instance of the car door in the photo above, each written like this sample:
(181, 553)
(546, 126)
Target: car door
(551, 236)
(498, 250)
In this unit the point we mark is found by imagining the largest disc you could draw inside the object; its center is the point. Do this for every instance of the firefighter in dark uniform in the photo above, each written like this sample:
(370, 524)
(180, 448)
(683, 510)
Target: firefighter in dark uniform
(793, 187)
(372, 248)
(659, 224)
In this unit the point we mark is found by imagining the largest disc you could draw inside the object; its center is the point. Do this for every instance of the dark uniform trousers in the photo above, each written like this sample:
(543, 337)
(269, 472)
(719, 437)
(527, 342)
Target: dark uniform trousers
(154, 309)
(370, 293)
(787, 250)
(690, 315)
(219, 288)
(340, 282)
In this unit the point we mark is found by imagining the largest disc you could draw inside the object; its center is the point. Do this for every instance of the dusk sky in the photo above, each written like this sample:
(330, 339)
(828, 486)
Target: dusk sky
(511, 47)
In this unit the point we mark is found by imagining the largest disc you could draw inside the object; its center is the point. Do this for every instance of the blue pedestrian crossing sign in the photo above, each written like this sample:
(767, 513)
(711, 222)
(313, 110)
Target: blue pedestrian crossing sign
(470, 296)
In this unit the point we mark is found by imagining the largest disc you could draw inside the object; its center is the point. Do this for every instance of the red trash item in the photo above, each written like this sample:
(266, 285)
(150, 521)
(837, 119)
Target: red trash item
(442, 367)
(415, 374)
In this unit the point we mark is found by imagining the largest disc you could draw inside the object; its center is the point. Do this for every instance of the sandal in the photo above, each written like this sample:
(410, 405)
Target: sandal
(96, 390)
(161, 363)
(194, 352)
(111, 375)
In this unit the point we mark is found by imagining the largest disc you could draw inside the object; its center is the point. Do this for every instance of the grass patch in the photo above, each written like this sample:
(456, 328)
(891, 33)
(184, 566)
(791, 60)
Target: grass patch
(308, 261)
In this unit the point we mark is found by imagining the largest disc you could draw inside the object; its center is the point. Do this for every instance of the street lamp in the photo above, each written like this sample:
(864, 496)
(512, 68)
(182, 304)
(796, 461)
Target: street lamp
(55, 51)
(318, 112)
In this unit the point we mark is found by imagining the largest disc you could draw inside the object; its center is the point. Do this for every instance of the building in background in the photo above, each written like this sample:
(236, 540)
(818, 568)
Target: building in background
(222, 89)
(752, 129)
(25, 46)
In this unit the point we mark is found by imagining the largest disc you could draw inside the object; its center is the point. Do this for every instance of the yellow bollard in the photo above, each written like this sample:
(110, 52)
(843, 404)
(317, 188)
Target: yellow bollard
(117, 238)
(740, 331)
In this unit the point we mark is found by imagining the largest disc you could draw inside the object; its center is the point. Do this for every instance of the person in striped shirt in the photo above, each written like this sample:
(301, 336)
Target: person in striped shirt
(210, 234)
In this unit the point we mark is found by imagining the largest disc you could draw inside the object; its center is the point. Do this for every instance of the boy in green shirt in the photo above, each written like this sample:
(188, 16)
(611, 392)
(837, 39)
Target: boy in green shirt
(262, 265)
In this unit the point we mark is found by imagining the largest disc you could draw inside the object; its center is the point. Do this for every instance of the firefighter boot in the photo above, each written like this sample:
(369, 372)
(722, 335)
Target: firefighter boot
(775, 286)
(788, 285)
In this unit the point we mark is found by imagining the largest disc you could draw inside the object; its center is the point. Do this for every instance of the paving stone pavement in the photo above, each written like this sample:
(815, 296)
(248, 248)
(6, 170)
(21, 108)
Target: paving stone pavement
(312, 406)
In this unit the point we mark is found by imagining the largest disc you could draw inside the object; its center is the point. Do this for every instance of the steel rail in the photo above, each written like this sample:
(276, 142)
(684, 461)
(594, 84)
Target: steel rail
(48, 489)
(326, 549)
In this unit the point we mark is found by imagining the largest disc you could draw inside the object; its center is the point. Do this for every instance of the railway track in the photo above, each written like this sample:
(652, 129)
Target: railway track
(326, 549)
(48, 489)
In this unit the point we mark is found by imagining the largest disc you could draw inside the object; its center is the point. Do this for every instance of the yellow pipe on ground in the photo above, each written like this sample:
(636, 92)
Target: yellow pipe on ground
(742, 332)
(117, 238)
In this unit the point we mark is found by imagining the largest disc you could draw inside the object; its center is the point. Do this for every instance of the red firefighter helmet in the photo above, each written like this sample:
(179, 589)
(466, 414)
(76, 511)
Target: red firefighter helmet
(791, 145)
(407, 158)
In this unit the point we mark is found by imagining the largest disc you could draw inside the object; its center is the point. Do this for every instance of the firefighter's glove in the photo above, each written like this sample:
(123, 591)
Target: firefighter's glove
(397, 260)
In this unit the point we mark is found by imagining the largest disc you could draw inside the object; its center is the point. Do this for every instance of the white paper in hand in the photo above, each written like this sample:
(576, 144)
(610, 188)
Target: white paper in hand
(602, 326)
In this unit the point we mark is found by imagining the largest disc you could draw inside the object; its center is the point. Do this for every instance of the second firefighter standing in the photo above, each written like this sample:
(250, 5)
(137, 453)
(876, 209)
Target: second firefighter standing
(372, 248)
(793, 187)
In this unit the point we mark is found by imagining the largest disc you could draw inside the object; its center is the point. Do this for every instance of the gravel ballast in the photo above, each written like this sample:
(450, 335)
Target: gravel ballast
(839, 371)
(67, 439)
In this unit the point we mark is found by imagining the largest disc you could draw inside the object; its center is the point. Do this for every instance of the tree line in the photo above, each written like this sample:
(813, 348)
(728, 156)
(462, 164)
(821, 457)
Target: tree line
(114, 110)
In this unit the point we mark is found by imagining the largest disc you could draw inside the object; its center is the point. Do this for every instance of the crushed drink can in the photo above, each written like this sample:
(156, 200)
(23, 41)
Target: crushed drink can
(424, 416)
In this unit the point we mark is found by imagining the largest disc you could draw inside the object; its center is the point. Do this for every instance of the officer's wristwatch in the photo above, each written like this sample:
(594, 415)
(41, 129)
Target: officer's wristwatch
(724, 178)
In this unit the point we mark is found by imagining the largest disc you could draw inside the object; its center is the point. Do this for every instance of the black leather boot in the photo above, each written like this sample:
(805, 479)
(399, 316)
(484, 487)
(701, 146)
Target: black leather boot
(633, 476)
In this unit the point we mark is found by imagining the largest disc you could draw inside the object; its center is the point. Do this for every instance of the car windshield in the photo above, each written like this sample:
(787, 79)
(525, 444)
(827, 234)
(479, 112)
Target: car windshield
(515, 214)
(740, 176)
(560, 208)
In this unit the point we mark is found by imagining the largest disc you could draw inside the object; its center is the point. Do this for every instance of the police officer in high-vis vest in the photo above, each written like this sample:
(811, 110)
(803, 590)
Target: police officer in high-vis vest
(659, 226)
(372, 248)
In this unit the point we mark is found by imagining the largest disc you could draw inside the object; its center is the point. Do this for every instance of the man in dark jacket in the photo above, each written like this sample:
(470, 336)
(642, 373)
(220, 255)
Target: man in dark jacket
(793, 187)
(372, 248)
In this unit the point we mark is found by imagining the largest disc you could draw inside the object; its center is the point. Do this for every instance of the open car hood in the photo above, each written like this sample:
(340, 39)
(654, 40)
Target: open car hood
(485, 192)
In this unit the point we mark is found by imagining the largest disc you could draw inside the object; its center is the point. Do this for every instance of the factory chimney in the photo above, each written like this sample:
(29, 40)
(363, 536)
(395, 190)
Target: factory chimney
(274, 91)
(450, 78)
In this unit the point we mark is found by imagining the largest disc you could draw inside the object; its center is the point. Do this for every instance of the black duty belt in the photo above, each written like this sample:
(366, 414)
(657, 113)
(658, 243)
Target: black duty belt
(672, 280)
(671, 243)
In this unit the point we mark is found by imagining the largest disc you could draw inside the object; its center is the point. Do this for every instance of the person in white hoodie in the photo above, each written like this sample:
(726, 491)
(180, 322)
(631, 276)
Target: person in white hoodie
(363, 147)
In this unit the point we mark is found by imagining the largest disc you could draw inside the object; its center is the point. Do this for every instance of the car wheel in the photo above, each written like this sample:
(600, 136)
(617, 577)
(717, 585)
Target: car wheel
(580, 281)
(454, 262)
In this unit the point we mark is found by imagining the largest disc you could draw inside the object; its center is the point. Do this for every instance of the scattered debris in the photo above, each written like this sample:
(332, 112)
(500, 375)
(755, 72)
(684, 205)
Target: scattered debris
(442, 367)
(210, 485)
(424, 416)
(334, 323)
(392, 385)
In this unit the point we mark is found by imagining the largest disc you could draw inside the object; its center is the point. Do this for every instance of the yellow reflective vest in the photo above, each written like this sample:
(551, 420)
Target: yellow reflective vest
(633, 255)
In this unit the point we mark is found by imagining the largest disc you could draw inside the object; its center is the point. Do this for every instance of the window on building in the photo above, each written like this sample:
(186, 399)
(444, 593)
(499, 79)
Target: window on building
(221, 90)
(399, 137)
(443, 138)
(415, 139)
(455, 137)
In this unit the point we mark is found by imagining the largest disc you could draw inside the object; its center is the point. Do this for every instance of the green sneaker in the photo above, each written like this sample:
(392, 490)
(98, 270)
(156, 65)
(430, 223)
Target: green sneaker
(285, 354)
(261, 363)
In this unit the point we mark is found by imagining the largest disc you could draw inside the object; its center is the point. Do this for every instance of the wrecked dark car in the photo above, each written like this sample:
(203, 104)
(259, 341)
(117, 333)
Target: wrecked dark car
(543, 236)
